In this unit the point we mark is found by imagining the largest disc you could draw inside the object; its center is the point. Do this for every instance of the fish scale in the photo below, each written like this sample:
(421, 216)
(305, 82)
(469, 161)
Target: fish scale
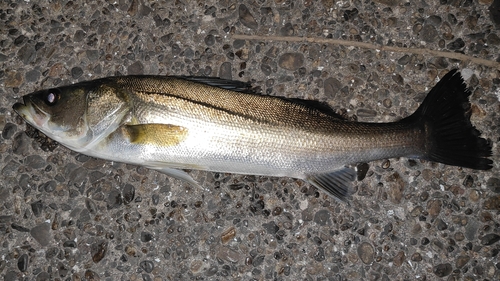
(269, 142)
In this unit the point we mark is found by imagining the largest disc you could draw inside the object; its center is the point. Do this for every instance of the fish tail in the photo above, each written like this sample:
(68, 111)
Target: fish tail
(445, 117)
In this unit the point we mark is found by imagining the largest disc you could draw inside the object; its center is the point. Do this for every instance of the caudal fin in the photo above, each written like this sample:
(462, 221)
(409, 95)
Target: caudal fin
(445, 116)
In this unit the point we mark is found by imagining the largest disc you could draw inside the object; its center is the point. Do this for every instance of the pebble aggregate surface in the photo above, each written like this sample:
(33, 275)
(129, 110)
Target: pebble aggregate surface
(67, 216)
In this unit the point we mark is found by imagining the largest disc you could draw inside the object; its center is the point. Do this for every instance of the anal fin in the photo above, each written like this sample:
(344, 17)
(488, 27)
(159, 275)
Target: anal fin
(335, 183)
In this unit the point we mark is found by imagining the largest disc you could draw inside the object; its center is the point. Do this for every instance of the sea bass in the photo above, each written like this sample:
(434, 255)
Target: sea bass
(170, 123)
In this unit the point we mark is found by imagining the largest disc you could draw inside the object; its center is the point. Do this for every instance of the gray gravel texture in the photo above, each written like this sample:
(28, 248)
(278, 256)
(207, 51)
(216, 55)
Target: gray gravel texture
(65, 216)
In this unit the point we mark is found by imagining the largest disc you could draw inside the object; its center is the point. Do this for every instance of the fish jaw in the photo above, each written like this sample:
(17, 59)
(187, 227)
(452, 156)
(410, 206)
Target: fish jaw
(31, 113)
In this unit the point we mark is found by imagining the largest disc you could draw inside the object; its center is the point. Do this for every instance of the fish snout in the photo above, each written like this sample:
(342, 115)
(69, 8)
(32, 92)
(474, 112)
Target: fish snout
(21, 108)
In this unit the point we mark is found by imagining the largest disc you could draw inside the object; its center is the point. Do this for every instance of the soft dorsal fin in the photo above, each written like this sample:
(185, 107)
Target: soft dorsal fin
(322, 107)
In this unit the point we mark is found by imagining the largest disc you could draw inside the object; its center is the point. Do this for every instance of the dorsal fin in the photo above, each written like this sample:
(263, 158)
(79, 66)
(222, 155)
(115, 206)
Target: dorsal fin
(246, 87)
(233, 85)
(323, 107)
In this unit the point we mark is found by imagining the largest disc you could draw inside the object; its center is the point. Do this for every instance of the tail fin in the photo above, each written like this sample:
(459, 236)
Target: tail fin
(445, 115)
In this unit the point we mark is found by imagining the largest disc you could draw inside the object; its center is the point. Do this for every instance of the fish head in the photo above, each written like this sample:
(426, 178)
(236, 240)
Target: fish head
(74, 115)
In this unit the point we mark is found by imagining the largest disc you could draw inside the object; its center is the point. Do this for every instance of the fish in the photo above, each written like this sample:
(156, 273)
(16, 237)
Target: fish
(174, 123)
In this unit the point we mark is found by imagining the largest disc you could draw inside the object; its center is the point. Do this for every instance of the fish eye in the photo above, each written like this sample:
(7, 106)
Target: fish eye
(52, 96)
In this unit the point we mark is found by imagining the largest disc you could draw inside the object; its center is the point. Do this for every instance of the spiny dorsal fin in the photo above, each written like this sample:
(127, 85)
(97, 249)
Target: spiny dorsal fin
(233, 85)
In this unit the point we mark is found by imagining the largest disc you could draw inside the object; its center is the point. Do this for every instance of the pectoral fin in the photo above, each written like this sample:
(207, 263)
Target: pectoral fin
(335, 183)
(155, 134)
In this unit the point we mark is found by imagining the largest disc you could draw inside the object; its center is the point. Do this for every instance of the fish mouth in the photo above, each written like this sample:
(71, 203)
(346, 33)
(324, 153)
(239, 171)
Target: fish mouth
(19, 108)
(31, 113)
(22, 108)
